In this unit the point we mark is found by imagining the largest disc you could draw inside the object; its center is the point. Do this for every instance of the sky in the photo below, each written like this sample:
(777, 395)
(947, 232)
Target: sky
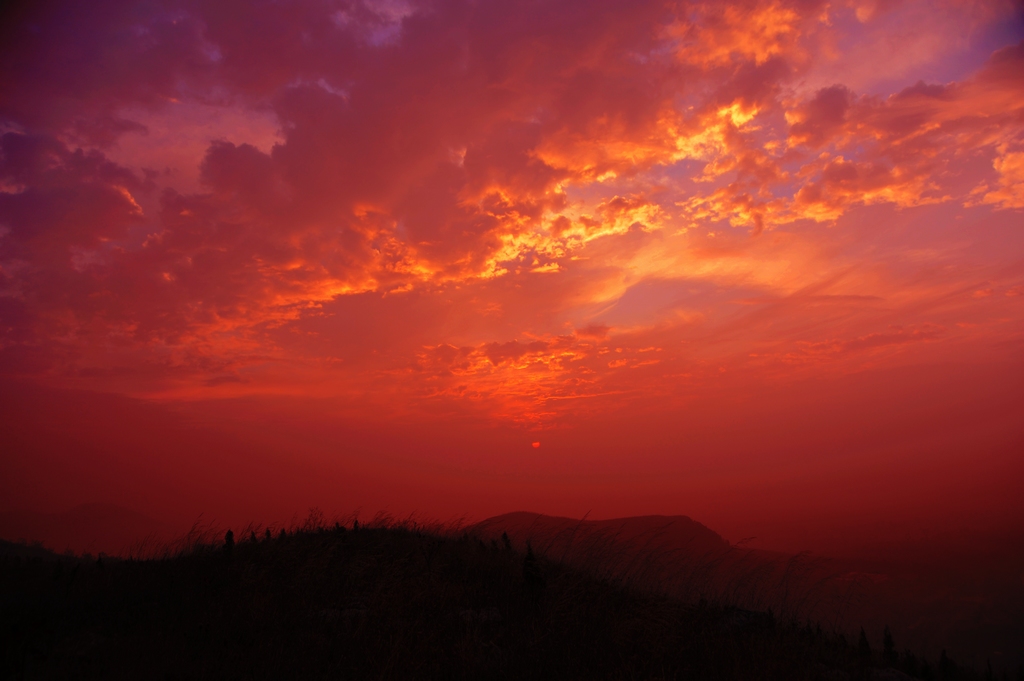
(759, 262)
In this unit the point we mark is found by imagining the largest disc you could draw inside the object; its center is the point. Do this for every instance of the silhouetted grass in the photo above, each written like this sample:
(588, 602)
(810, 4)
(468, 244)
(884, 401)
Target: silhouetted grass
(390, 600)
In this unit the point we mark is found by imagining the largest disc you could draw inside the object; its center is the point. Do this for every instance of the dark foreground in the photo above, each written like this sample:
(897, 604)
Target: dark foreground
(391, 603)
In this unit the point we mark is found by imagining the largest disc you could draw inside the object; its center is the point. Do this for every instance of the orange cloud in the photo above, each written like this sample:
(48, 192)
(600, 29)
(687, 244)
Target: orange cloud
(720, 34)
(1009, 189)
(540, 177)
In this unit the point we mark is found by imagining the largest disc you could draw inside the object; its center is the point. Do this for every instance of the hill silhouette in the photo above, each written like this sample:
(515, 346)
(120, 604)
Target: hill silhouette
(92, 528)
(962, 596)
(390, 600)
(676, 533)
(674, 556)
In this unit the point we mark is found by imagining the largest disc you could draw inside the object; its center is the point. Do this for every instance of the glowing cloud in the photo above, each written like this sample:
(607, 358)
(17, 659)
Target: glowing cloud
(522, 215)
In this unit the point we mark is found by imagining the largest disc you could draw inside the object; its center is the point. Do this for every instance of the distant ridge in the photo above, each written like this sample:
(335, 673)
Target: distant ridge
(660, 534)
(85, 528)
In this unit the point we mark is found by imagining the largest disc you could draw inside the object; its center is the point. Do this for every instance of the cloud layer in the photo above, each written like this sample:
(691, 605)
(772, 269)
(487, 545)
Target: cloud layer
(528, 212)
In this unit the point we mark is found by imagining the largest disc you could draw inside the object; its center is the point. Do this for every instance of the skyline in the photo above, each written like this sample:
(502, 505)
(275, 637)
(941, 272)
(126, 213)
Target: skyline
(750, 262)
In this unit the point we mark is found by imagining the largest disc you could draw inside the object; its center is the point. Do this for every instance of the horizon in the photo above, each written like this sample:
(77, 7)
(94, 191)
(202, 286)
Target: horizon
(757, 263)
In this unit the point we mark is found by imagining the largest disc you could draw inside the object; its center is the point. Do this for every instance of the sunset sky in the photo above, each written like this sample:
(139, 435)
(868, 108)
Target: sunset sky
(760, 263)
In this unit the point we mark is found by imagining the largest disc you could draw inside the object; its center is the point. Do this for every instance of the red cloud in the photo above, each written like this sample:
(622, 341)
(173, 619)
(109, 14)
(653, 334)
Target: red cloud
(815, 122)
(566, 151)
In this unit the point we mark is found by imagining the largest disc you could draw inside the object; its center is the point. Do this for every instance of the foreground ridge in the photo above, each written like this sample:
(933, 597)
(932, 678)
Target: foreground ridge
(389, 601)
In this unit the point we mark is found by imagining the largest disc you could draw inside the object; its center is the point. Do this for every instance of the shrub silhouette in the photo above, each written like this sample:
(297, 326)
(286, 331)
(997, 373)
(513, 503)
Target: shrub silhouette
(229, 540)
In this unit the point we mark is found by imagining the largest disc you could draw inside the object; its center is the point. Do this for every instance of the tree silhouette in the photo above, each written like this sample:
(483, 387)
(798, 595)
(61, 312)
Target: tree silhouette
(889, 653)
(946, 666)
(531, 572)
(910, 662)
(863, 647)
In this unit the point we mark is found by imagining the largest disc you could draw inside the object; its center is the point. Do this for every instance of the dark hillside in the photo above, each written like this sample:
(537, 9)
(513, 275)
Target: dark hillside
(962, 594)
(679, 557)
(383, 603)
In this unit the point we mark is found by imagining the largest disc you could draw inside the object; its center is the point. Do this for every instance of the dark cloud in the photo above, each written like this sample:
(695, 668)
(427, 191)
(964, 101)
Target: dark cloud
(513, 350)
(818, 120)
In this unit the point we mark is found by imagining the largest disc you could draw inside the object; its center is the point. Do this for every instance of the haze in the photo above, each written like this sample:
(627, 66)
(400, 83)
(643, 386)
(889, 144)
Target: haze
(758, 263)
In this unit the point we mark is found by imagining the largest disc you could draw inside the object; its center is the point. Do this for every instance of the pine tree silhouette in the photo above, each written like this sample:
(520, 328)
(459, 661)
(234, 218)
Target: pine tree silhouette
(229, 541)
(889, 653)
(945, 666)
(531, 572)
(863, 647)
(506, 541)
(910, 662)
